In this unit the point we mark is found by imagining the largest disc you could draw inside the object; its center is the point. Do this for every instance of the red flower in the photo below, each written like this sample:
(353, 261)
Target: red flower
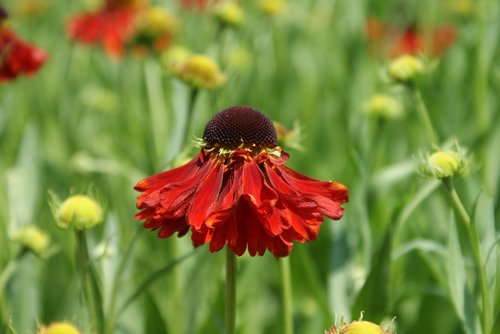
(394, 42)
(18, 56)
(199, 5)
(238, 192)
(111, 26)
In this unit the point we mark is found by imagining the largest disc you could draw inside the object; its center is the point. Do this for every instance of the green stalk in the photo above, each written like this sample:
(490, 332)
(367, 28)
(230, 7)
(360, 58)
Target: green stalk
(5, 276)
(424, 115)
(111, 312)
(481, 71)
(230, 291)
(89, 286)
(189, 114)
(472, 234)
(287, 295)
(151, 279)
(158, 115)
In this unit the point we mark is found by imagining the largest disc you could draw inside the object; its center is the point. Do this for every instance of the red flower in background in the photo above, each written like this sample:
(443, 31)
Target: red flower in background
(199, 5)
(394, 42)
(238, 192)
(17, 56)
(111, 26)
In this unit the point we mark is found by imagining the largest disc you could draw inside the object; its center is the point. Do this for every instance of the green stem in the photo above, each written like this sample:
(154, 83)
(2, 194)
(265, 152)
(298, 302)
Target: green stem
(481, 70)
(287, 295)
(230, 291)
(158, 115)
(5, 276)
(111, 312)
(151, 279)
(189, 114)
(89, 286)
(471, 229)
(424, 115)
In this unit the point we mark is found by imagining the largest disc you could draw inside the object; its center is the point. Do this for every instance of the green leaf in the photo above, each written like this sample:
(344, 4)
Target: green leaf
(373, 299)
(459, 292)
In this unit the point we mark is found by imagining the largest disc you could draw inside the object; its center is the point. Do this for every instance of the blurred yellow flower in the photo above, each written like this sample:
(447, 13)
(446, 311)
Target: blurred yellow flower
(406, 68)
(155, 21)
(383, 106)
(200, 71)
(79, 212)
(229, 13)
(174, 56)
(32, 238)
(271, 7)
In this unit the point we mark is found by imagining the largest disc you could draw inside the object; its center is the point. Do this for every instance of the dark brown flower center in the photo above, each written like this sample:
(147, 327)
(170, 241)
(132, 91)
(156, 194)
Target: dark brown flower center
(240, 125)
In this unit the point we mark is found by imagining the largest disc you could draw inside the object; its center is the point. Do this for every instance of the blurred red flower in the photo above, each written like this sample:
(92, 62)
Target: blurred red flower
(110, 26)
(238, 192)
(199, 5)
(17, 56)
(393, 42)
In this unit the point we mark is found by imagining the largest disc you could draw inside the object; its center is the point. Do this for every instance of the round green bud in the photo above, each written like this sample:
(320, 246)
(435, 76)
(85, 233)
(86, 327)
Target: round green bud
(406, 68)
(33, 238)
(79, 212)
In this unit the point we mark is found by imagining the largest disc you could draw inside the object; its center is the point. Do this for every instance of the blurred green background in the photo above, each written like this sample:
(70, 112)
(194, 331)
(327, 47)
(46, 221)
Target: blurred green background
(86, 123)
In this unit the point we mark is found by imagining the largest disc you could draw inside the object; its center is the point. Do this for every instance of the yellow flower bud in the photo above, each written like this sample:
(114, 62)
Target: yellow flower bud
(406, 68)
(79, 212)
(362, 327)
(59, 328)
(174, 56)
(384, 106)
(32, 238)
(358, 327)
(155, 21)
(443, 164)
(271, 7)
(200, 71)
(229, 13)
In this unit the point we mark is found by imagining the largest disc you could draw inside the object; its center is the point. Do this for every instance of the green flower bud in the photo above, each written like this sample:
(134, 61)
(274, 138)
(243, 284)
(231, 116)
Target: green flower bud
(79, 212)
(358, 327)
(271, 7)
(59, 328)
(229, 13)
(406, 68)
(32, 238)
(444, 163)
(201, 72)
(383, 106)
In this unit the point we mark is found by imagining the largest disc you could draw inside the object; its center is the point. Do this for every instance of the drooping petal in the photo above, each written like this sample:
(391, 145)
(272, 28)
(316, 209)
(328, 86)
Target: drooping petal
(256, 190)
(203, 201)
(329, 195)
(18, 57)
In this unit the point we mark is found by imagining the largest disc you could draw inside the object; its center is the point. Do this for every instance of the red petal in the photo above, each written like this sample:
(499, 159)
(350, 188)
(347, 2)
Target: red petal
(204, 199)
(328, 195)
(256, 190)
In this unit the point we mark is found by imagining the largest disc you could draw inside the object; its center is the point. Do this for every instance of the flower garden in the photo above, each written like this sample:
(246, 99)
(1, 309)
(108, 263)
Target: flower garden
(225, 166)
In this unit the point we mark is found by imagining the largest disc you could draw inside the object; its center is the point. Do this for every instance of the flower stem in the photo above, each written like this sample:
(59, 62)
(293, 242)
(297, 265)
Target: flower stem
(481, 70)
(424, 115)
(287, 295)
(230, 291)
(189, 114)
(111, 312)
(5, 276)
(472, 234)
(153, 277)
(89, 285)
